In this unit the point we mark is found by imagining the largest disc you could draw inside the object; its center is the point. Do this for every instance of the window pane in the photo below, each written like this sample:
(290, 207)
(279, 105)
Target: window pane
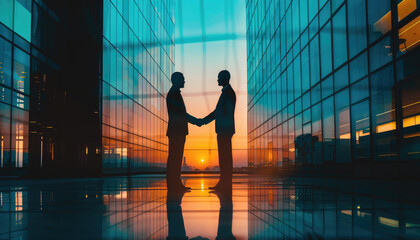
(20, 128)
(6, 13)
(341, 78)
(356, 26)
(22, 23)
(21, 66)
(380, 54)
(340, 37)
(379, 18)
(5, 62)
(360, 90)
(361, 131)
(325, 40)
(358, 67)
(410, 101)
(342, 127)
(383, 114)
(328, 129)
(4, 135)
(314, 60)
(316, 134)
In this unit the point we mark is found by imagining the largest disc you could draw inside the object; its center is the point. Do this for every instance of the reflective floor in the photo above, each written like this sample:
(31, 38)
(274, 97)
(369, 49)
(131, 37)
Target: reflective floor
(260, 208)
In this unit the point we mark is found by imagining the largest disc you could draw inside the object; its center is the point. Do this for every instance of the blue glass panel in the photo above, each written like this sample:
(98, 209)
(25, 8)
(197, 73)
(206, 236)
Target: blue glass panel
(339, 37)
(360, 131)
(5, 62)
(380, 54)
(341, 78)
(327, 87)
(383, 114)
(313, 8)
(22, 18)
(358, 67)
(356, 26)
(328, 129)
(305, 69)
(6, 13)
(342, 127)
(360, 90)
(316, 94)
(21, 68)
(326, 55)
(379, 18)
(314, 60)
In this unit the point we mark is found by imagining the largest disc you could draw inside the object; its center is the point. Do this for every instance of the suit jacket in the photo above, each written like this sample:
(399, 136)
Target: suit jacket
(224, 112)
(178, 116)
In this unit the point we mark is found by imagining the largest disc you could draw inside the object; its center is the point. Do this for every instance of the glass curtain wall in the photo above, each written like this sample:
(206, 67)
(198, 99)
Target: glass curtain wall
(138, 59)
(345, 75)
(15, 61)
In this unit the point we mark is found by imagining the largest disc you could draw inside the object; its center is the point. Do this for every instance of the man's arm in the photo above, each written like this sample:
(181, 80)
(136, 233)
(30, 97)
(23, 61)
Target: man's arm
(193, 120)
(209, 118)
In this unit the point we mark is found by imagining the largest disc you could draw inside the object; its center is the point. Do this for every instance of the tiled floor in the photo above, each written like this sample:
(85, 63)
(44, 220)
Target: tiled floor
(261, 208)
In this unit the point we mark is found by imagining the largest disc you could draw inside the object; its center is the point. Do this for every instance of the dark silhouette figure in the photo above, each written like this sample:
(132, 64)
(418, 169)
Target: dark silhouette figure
(176, 227)
(225, 128)
(224, 230)
(177, 132)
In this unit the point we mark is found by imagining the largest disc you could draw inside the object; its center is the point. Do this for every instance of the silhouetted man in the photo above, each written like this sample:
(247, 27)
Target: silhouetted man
(225, 128)
(177, 132)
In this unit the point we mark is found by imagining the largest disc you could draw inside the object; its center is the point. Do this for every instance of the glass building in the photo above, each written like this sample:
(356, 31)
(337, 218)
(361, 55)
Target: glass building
(82, 85)
(333, 86)
(138, 59)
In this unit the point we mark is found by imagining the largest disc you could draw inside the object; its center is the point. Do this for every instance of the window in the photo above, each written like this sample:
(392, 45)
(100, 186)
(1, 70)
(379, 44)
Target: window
(326, 55)
(6, 13)
(360, 90)
(358, 67)
(4, 135)
(379, 18)
(339, 37)
(21, 71)
(22, 18)
(383, 114)
(5, 62)
(328, 129)
(342, 127)
(361, 131)
(356, 26)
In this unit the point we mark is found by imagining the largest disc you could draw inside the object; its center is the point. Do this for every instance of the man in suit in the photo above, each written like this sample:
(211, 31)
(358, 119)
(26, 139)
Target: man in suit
(177, 132)
(225, 128)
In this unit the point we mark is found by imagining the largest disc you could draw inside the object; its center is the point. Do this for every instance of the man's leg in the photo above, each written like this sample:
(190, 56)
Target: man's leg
(170, 166)
(179, 156)
(225, 160)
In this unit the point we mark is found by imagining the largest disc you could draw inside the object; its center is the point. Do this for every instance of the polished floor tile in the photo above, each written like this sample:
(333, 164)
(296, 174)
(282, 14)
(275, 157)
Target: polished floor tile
(140, 207)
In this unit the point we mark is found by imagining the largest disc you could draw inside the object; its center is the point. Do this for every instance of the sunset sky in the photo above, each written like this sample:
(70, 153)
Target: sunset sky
(223, 25)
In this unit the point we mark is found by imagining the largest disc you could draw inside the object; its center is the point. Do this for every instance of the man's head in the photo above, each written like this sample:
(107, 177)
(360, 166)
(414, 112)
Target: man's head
(223, 78)
(178, 80)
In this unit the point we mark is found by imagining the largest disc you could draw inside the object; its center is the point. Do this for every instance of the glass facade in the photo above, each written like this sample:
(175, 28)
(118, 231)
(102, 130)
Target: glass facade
(86, 103)
(138, 59)
(334, 82)
(15, 76)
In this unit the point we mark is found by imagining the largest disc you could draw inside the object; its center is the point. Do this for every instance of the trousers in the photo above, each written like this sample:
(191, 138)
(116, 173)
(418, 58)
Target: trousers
(173, 167)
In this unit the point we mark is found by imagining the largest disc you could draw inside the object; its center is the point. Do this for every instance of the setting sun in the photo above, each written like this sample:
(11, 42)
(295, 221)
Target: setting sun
(202, 160)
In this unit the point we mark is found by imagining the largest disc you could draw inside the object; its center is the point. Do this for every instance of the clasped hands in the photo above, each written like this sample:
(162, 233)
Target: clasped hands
(200, 122)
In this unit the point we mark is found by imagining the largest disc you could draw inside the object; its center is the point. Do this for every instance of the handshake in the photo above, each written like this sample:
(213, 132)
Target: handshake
(200, 121)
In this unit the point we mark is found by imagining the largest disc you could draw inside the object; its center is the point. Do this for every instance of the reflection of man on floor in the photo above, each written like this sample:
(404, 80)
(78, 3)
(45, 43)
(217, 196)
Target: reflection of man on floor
(224, 230)
(177, 132)
(225, 128)
(176, 227)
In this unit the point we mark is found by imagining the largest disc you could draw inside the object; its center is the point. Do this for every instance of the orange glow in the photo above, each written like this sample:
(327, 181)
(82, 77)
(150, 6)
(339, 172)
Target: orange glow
(386, 127)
